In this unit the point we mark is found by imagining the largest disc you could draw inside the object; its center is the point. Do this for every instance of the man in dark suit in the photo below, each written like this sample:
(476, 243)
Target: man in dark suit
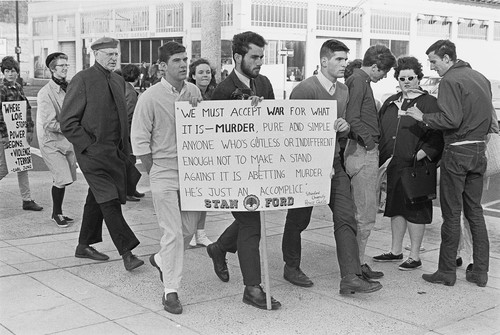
(243, 235)
(94, 120)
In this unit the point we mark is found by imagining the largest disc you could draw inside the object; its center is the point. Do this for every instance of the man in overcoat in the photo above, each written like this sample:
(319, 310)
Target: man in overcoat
(94, 120)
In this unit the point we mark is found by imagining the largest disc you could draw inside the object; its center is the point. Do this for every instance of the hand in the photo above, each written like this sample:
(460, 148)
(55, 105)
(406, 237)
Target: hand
(255, 100)
(332, 173)
(341, 125)
(194, 101)
(415, 113)
(29, 137)
(421, 155)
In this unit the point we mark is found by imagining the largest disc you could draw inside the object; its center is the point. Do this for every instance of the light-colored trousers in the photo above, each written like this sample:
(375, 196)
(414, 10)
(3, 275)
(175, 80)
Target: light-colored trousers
(362, 167)
(178, 227)
(22, 177)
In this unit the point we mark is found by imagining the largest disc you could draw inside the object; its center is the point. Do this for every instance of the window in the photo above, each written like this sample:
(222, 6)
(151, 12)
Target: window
(433, 25)
(496, 32)
(472, 29)
(385, 22)
(338, 18)
(398, 48)
(169, 17)
(279, 14)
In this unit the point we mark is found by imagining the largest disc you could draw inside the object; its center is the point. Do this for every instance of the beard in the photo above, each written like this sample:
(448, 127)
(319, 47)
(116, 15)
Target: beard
(247, 70)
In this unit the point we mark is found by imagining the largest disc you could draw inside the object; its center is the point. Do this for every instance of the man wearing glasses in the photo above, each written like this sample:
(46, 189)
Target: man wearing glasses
(94, 120)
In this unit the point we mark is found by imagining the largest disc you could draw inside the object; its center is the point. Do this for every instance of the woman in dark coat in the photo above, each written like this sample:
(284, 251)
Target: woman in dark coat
(403, 138)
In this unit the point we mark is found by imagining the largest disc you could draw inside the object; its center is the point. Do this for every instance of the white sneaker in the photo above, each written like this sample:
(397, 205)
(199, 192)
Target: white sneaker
(201, 238)
(193, 241)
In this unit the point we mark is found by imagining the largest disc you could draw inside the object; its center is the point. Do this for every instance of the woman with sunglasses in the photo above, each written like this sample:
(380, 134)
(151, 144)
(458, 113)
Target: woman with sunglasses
(403, 138)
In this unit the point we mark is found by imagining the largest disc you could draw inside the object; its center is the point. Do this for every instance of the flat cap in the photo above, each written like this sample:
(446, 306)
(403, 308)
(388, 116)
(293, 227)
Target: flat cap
(51, 57)
(103, 43)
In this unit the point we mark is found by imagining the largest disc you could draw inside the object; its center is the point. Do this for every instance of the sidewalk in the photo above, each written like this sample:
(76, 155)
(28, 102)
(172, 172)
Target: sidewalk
(44, 289)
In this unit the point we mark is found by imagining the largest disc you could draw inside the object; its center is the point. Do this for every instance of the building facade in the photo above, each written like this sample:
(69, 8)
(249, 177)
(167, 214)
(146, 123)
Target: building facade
(294, 29)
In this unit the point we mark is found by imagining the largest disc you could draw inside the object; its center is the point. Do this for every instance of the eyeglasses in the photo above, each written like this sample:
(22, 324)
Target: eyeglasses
(63, 65)
(404, 78)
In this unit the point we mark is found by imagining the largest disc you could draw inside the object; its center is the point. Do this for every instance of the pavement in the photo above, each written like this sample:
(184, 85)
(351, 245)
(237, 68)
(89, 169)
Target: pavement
(44, 289)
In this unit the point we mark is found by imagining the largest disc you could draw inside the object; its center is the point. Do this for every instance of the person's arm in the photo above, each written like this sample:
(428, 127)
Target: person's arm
(147, 161)
(46, 112)
(29, 119)
(450, 103)
(357, 91)
(142, 131)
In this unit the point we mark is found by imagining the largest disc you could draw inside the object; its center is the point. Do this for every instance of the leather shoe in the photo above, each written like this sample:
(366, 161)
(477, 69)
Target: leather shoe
(219, 258)
(481, 279)
(296, 276)
(138, 194)
(31, 206)
(440, 278)
(132, 198)
(131, 261)
(353, 283)
(85, 251)
(153, 263)
(368, 273)
(172, 303)
(255, 296)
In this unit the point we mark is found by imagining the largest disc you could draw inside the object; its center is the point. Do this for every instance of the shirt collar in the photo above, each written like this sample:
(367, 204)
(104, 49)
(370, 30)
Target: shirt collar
(10, 84)
(326, 83)
(172, 89)
(245, 80)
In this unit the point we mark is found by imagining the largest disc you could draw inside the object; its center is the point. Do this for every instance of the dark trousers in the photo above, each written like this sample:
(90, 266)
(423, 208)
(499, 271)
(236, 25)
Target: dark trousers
(243, 235)
(111, 211)
(344, 226)
(461, 186)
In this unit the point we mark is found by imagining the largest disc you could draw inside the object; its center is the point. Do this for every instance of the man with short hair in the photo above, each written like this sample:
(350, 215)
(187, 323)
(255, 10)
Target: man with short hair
(94, 120)
(466, 116)
(10, 90)
(361, 152)
(243, 235)
(154, 142)
(324, 86)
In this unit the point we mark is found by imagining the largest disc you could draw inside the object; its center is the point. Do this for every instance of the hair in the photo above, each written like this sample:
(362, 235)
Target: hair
(241, 42)
(192, 71)
(152, 70)
(9, 63)
(408, 63)
(331, 46)
(168, 49)
(381, 56)
(53, 62)
(443, 47)
(354, 64)
(130, 72)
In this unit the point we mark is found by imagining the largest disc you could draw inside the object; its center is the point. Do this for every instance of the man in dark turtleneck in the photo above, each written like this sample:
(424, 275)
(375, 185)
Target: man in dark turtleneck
(94, 120)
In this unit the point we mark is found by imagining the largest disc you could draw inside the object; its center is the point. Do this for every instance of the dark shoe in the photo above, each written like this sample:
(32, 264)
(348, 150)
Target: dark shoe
(153, 263)
(219, 259)
(255, 296)
(132, 198)
(388, 257)
(410, 264)
(131, 261)
(459, 261)
(296, 276)
(68, 219)
(59, 219)
(171, 304)
(31, 206)
(440, 278)
(85, 251)
(369, 273)
(356, 283)
(481, 279)
(138, 194)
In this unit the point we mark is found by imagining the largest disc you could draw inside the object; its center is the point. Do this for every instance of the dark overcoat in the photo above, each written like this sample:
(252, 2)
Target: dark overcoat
(226, 89)
(94, 120)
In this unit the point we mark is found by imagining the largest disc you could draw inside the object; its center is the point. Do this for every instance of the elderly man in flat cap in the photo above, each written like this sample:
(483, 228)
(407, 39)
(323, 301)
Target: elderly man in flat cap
(94, 120)
(57, 151)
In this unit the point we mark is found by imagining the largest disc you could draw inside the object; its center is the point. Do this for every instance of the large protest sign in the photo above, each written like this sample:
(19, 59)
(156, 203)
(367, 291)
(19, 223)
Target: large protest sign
(236, 157)
(17, 150)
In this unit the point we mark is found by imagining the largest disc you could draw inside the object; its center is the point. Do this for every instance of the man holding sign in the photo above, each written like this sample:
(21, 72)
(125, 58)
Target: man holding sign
(22, 128)
(324, 86)
(154, 142)
(243, 235)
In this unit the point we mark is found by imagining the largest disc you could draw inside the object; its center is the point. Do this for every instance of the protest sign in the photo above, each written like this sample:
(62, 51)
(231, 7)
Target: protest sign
(17, 150)
(237, 157)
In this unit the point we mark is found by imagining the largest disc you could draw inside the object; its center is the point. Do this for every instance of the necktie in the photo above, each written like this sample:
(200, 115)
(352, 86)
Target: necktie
(252, 86)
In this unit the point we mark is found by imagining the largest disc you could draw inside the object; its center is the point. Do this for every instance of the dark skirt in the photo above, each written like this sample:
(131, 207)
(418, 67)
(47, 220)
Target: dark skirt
(395, 201)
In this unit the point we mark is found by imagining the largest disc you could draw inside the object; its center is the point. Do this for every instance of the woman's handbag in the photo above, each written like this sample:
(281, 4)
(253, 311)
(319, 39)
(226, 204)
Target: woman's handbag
(419, 182)
(492, 154)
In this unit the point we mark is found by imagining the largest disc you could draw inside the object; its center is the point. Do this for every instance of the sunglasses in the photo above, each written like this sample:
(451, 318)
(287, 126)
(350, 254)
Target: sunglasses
(404, 78)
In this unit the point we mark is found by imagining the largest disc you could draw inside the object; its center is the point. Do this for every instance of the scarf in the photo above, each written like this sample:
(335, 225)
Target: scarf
(61, 82)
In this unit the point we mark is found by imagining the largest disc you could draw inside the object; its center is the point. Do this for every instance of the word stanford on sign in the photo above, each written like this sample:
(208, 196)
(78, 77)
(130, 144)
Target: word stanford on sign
(17, 149)
(238, 157)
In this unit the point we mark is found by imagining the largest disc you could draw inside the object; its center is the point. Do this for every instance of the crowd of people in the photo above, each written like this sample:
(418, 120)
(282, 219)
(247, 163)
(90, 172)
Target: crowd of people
(100, 121)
